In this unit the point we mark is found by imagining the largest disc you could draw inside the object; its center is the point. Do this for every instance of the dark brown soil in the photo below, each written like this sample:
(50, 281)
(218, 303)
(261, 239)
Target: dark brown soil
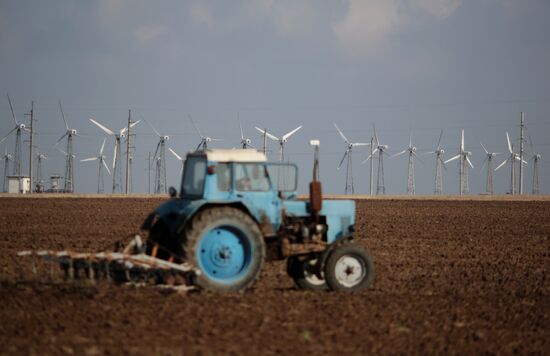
(452, 277)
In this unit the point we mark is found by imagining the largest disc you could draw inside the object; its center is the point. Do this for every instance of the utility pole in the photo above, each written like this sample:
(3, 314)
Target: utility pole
(128, 151)
(521, 138)
(31, 114)
(371, 165)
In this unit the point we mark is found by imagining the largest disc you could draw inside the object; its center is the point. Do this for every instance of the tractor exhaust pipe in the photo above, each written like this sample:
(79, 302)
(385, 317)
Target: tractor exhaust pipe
(315, 189)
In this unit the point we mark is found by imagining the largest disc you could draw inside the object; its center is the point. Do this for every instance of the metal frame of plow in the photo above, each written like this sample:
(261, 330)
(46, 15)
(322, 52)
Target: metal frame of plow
(137, 269)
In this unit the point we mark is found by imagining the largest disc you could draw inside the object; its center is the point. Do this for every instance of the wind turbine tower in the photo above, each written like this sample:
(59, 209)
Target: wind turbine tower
(39, 180)
(69, 162)
(101, 158)
(6, 158)
(282, 140)
(489, 156)
(536, 158)
(117, 154)
(18, 129)
(411, 150)
(512, 161)
(381, 150)
(160, 163)
(464, 162)
(438, 184)
(349, 165)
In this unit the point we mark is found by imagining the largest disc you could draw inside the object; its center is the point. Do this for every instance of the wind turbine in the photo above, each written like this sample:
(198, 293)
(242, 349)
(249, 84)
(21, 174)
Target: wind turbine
(536, 158)
(349, 164)
(203, 145)
(381, 150)
(410, 170)
(19, 127)
(464, 161)
(282, 140)
(117, 167)
(438, 185)
(69, 163)
(160, 162)
(101, 157)
(512, 161)
(179, 158)
(489, 156)
(7, 157)
(39, 181)
(245, 141)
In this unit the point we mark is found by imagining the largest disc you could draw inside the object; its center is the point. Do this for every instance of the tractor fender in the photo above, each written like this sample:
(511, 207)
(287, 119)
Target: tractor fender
(185, 217)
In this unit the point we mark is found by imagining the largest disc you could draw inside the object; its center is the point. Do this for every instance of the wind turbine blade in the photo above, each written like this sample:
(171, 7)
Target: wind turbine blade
(462, 141)
(375, 135)
(343, 158)
(418, 158)
(518, 159)
(88, 159)
(452, 159)
(147, 121)
(287, 136)
(12, 112)
(114, 157)
(105, 129)
(428, 153)
(531, 144)
(102, 146)
(469, 162)
(484, 161)
(509, 144)
(181, 170)
(410, 140)
(216, 139)
(398, 154)
(105, 165)
(60, 150)
(342, 134)
(63, 115)
(5, 137)
(195, 126)
(175, 154)
(274, 138)
(360, 144)
(366, 159)
(500, 165)
(484, 149)
(241, 127)
(439, 141)
(62, 137)
(134, 123)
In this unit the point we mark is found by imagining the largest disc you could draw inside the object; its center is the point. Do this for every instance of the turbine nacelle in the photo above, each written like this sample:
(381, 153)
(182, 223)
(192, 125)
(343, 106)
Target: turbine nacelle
(72, 132)
(165, 138)
(21, 126)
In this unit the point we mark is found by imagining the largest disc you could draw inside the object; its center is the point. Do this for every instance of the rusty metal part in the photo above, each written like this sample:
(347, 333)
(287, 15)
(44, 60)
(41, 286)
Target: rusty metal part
(292, 249)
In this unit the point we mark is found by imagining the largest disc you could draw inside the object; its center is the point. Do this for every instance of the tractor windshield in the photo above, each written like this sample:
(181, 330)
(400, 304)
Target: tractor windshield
(283, 176)
(192, 184)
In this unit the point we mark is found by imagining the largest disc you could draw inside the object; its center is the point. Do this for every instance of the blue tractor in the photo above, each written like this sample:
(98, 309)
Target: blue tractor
(235, 211)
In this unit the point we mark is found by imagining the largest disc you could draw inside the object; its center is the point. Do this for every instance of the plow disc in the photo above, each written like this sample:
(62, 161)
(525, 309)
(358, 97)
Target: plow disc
(132, 266)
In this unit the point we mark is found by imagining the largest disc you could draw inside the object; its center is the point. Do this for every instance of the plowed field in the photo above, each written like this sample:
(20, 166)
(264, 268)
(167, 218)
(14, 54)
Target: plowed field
(451, 277)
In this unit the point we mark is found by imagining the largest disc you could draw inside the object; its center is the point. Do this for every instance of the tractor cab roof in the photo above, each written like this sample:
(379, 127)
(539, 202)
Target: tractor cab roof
(232, 155)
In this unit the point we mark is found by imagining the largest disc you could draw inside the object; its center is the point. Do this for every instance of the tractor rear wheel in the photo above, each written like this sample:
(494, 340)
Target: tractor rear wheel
(300, 271)
(226, 245)
(348, 268)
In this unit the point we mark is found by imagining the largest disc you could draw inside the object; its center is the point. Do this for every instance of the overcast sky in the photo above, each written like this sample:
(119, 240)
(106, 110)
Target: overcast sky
(406, 66)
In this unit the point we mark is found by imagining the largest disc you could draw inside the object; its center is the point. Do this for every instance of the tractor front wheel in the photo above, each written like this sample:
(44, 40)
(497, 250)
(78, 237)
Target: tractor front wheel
(348, 268)
(226, 245)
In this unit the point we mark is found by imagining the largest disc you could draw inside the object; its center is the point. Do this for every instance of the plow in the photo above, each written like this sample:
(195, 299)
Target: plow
(131, 266)
(235, 211)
